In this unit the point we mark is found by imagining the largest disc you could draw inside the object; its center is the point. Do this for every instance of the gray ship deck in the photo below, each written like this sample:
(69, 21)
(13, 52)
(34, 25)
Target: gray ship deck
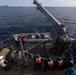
(19, 70)
(28, 70)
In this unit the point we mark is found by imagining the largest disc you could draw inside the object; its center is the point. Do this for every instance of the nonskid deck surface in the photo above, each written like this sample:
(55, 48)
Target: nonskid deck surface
(29, 71)
(23, 70)
(14, 71)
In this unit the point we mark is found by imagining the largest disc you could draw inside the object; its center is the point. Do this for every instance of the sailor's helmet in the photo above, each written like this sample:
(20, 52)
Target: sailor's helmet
(71, 58)
(37, 55)
(59, 58)
(49, 59)
(72, 70)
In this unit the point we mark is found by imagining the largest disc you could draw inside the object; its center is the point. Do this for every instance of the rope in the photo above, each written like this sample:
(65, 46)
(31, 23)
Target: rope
(34, 55)
(34, 46)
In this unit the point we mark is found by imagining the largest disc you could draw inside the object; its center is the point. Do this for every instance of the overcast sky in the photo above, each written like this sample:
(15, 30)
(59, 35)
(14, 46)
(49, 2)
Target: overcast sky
(43, 2)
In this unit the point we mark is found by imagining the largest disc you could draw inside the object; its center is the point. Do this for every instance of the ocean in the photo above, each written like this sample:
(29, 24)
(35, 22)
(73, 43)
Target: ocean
(15, 20)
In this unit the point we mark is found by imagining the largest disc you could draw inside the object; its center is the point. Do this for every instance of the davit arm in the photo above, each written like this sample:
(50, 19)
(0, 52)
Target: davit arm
(61, 29)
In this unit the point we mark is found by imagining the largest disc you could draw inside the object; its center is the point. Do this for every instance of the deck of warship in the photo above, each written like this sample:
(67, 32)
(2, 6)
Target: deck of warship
(29, 69)
(20, 69)
(60, 45)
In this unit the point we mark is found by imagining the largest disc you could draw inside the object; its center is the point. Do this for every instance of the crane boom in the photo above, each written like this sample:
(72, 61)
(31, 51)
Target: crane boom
(59, 26)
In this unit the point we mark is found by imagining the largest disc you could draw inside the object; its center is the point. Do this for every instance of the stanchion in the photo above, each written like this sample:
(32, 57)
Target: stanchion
(22, 51)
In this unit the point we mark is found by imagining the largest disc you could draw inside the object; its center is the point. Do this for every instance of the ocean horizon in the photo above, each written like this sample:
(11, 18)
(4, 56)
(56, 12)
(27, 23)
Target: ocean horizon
(24, 19)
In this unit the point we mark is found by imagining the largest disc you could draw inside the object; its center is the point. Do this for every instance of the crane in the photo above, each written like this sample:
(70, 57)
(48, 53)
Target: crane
(61, 29)
(61, 38)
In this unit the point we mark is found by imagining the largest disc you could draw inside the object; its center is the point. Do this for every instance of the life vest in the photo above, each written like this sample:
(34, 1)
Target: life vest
(25, 36)
(60, 62)
(72, 61)
(38, 60)
(21, 36)
(50, 63)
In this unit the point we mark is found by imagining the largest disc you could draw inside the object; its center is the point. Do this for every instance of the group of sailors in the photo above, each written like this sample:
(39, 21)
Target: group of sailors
(50, 64)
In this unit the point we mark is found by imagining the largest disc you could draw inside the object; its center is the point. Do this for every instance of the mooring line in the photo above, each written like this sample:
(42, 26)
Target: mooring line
(34, 46)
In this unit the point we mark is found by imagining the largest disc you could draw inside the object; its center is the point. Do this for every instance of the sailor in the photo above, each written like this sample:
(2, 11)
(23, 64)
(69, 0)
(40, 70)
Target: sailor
(70, 71)
(22, 36)
(38, 61)
(58, 63)
(69, 62)
(16, 39)
(48, 64)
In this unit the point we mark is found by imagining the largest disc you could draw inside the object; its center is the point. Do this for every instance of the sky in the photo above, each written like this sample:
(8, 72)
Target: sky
(63, 3)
